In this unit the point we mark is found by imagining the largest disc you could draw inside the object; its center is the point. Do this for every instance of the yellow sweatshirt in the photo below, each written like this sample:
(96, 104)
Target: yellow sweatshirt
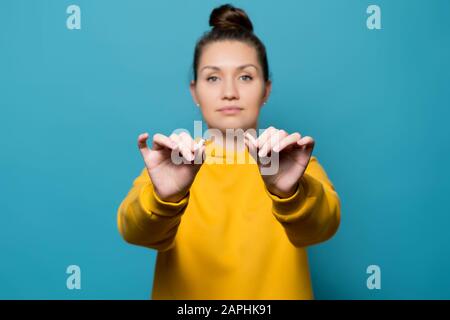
(230, 238)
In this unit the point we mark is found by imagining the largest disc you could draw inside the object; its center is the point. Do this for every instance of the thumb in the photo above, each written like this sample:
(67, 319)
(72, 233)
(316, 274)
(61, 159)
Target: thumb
(142, 145)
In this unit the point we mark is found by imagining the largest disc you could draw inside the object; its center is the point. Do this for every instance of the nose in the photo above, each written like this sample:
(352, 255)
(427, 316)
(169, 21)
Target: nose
(230, 90)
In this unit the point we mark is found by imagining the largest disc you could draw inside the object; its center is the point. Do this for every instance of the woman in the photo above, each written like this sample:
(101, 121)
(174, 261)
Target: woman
(229, 231)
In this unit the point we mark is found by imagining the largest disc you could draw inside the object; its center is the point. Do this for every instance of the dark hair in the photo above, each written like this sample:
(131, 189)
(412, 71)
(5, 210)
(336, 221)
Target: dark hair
(230, 23)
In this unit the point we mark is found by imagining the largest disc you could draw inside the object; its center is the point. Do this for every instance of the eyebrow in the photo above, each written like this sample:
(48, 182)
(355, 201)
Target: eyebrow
(239, 68)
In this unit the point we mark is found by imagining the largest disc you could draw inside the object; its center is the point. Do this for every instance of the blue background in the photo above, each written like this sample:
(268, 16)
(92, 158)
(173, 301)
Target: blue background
(72, 103)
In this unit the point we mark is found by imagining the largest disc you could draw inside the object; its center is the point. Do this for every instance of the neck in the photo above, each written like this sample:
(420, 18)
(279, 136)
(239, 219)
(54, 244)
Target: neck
(228, 142)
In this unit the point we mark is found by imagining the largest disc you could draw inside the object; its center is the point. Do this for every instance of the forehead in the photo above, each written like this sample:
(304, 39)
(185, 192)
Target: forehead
(228, 54)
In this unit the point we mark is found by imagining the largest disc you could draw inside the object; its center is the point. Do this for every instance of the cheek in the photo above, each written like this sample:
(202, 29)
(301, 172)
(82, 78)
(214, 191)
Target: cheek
(253, 96)
(208, 105)
(208, 95)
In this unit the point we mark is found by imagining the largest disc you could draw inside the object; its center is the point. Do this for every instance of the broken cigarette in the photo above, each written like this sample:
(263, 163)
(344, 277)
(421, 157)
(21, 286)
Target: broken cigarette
(251, 138)
(199, 144)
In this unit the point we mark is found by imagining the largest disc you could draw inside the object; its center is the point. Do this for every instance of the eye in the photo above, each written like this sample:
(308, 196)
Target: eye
(247, 77)
(212, 77)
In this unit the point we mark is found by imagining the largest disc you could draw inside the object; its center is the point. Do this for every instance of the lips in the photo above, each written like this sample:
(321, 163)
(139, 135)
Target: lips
(230, 108)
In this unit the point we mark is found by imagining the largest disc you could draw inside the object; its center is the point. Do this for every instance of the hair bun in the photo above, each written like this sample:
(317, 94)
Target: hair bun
(229, 17)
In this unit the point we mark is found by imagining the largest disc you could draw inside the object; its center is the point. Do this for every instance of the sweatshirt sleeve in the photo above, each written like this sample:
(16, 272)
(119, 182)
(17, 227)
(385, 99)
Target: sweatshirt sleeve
(144, 219)
(312, 214)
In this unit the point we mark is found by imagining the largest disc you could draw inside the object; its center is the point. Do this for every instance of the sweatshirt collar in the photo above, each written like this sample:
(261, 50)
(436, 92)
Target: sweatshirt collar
(214, 151)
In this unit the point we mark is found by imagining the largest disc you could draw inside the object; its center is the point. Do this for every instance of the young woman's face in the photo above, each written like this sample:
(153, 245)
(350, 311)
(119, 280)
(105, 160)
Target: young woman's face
(229, 75)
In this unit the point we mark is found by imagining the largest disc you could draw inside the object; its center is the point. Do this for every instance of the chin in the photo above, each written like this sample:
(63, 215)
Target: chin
(230, 124)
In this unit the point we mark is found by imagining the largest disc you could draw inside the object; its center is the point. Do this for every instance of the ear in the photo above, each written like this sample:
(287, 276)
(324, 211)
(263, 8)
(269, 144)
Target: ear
(267, 90)
(193, 92)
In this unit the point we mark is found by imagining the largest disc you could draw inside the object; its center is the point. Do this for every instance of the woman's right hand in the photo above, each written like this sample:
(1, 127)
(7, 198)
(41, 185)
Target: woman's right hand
(171, 181)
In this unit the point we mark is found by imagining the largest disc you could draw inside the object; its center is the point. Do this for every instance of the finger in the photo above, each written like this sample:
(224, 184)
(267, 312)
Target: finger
(251, 139)
(174, 137)
(250, 142)
(275, 142)
(179, 150)
(264, 136)
(287, 141)
(189, 142)
(142, 145)
(306, 142)
(184, 148)
(271, 142)
(160, 141)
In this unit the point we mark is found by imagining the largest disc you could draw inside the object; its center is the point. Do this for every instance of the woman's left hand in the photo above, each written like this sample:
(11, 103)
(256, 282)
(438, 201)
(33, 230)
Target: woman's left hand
(294, 153)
